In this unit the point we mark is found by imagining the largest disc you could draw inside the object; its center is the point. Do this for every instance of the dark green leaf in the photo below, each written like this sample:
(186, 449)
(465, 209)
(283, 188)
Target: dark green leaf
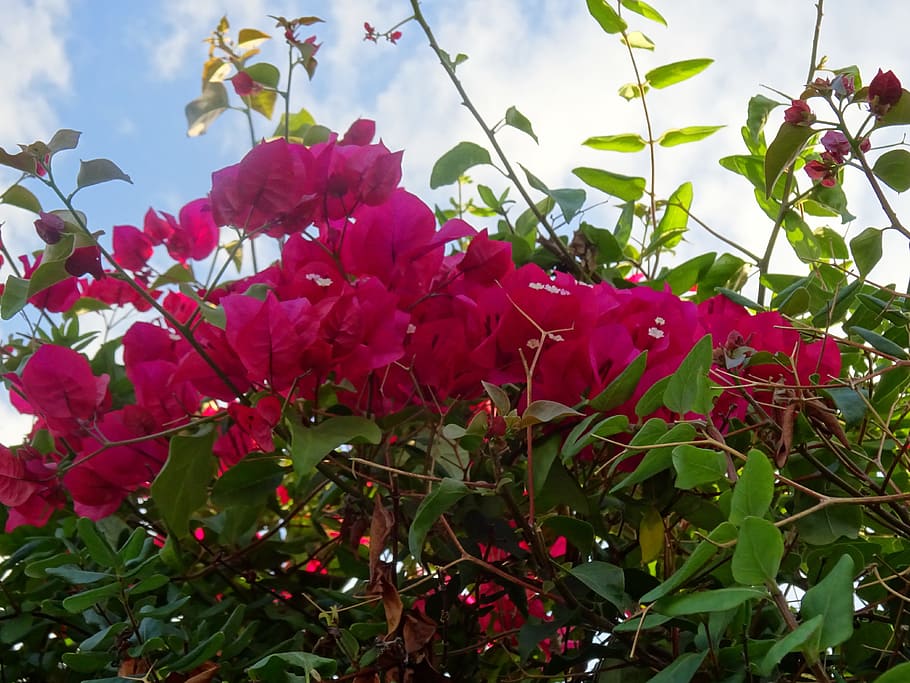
(695, 466)
(703, 553)
(657, 459)
(898, 114)
(759, 108)
(850, 402)
(867, 250)
(518, 120)
(606, 16)
(310, 444)
(606, 243)
(204, 651)
(831, 599)
(754, 491)
(578, 438)
(181, 487)
(680, 136)
(627, 188)
(443, 496)
(74, 574)
(829, 524)
(879, 342)
(790, 642)
(624, 142)
(452, 165)
(148, 584)
(499, 397)
(281, 661)
(97, 546)
(202, 112)
(893, 169)
(653, 398)
(95, 171)
(543, 457)
(247, 483)
(901, 672)
(642, 623)
(758, 552)
(835, 309)
(577, 531)
(86, 599)
(707, 601)
(686, 275)
(669, 74)
(605, 579)
(790, 140)
(682, 670)
(623, 385)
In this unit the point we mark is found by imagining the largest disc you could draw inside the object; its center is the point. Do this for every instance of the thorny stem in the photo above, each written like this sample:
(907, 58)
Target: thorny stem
(765, 262)
(554, 244)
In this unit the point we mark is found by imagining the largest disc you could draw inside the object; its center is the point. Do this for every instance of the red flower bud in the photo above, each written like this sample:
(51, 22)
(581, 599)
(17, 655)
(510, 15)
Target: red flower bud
(884, 92)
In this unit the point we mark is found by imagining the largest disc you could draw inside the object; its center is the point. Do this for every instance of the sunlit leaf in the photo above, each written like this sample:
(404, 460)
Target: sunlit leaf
(624, 142)
(201, 112)
(606, 16)
(790, 140)
(681, 136)
(22, 198)
(452, 165)
(893, 169)
(518, 120)
(624, 187)
(670, 74)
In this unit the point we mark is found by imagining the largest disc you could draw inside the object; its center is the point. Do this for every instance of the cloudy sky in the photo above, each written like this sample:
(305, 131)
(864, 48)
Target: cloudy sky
(121, 73)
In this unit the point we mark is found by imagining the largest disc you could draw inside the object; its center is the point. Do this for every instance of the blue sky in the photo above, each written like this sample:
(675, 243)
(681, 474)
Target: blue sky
(122, 72)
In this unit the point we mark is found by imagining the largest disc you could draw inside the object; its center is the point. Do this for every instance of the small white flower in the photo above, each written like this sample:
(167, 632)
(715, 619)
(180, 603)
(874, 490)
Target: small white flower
(555, 337)
(532, 343)
(547, 287)
(655, 332)
(659, 321)
(319, 280)
(412, 328)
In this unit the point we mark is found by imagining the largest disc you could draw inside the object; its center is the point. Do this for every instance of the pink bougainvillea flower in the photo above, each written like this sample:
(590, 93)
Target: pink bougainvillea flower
(843, 85)
(59, 297)
(837, 145)
(244, 85)
(270, 182)
(15, 489)
(195, 234)
(251, 431)
(28, 487)
(116, 292)
(85, 261)
(49, 227)
(884, 92)
(59, 386)
(158, 227)
(799, 113)
(486, 260)
(132, 247)
(824, 171)
(360, 133)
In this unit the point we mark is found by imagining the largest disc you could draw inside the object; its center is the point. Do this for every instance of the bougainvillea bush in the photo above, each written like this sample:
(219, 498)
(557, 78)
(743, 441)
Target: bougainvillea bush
(487, 442)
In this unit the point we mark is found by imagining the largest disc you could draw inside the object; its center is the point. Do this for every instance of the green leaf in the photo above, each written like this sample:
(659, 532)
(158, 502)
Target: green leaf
(310, 444)
(64, 139)
(97, 546)
(264, 73)
(651, 534)
(499, 397)
(606, 243)
(298, 125)
(95, 171)
(695, 466)
(432, 507)
(624, 142)
(790, 642)
(879, 342)
(578, 438)
(605, 579)
(643, 9)
(277, 664)
(148, 584)
(202, 112)
(623, 385)
(569, 200)
(80, 602)
(624, 187)
(703, 553)
(577, 531)
(754, 491)
(830, 523)
(204, 651)
(708, 601)
(543, 456)
(14, 298)
(686, 275)
(669, 74)
(831, 600)
(676, 213)
(851, 403)
(758, 552)
(681, 136)
(518, 120)
(899, 674)
(790, 140)
(74, 574)
(22, 198)
(689, 389)
(181, 487)
(452, 165)
(657, 459)
(653, 398)
(893, 169)
(249, 482)
(606, 16)
(682, 670)
(898, 114)
(545, 411)
(866, 248)
(638, 40)
(759, 108)
(639, 623)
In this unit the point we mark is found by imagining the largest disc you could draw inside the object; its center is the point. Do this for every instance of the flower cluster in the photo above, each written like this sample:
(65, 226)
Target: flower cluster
(364, 298)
